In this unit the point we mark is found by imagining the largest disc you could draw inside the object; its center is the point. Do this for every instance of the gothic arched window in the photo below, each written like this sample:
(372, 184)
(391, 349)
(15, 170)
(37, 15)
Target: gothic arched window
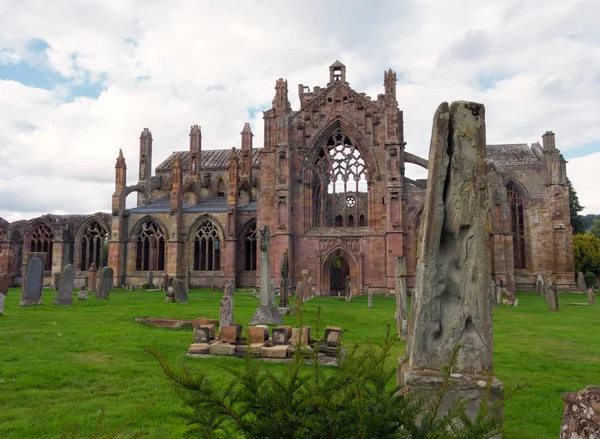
(150, 248)
(221, 188)
(339, 184)
(207, 247)
(91, 246)
(41, 241)
(250, 248)
(515, 202)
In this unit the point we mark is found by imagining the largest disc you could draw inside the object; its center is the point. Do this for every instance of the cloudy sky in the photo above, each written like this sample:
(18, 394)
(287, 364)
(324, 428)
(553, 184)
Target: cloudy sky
(80, 79)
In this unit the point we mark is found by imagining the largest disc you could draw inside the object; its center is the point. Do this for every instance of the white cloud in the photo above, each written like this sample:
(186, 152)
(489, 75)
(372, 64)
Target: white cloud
(533, 64)
(583, 173)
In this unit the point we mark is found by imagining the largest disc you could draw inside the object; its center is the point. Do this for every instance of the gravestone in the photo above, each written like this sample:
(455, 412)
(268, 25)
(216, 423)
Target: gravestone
(2, 300)
(150, 280)
(92, 278)
(82, 294)
(581, 282)
(229, 288)
(67, 284)
(266, 313)
(3, 292)
(552, 294)
(170, 294)
(298, 295)
(179, 291)
(370, 299)
(401, 314)
(539, 284)
(451, 304)
(581, 415)
(187, 280)
(283, 287)
(31, 293)
(493, 293)
(226, 310)
(105, 283)
(304, 284)
(348, 288)
(591, 296)
(309, 289)
(57, 279)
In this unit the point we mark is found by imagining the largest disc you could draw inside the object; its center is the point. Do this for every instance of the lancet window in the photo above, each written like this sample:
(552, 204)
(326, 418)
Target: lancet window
(207, 247)
(92, 245)
(515, 201)
(339, 185)
(41, 241)
(150, 248)
(250, 248)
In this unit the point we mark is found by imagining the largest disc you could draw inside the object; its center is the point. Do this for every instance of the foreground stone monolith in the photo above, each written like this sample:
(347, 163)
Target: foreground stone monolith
(105, 283)
(33, 267)
(266, 313)
(451, 303)
(67, 284)
(180, 294)
(581, 416)
(401, 314)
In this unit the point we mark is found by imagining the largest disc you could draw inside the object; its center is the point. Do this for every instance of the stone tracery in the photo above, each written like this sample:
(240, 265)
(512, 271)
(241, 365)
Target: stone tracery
(150, 247)
(207, 247)
(40, 240)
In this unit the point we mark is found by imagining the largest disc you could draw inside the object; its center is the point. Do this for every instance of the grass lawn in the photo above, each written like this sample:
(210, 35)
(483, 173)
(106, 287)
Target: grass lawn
(67, 364)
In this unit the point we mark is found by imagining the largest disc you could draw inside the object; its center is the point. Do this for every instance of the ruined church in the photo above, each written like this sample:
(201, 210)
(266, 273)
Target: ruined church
(329, 182)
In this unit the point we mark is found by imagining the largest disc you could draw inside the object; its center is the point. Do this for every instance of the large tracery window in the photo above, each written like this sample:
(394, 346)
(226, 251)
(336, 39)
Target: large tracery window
(41, 241)
(250, 248)
(150, 248)
(92, 246)
(339, 185)
(207, 248)
(515, 201)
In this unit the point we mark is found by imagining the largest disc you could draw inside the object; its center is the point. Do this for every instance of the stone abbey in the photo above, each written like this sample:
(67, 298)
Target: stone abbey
(329, 182)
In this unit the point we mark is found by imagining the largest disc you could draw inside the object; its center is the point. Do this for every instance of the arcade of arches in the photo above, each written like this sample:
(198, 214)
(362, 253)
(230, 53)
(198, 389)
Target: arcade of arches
(329, 182)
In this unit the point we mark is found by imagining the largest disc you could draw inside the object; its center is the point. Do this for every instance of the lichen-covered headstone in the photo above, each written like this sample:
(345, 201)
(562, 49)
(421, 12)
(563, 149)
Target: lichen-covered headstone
(31, 293)
(2, 300)
(266, 313)
(229, 288)
(298, 295)
(370, 299)
(92, 278)
(539, 284)
(67, 284)
(581, 286)
(451, 304)
(552, 294)
(82, 294)
(401, 314)
(591, 296)
(105, 283)
(283, 287)
(348, 288)
(226, 311)
(581, 416)
(179, 291)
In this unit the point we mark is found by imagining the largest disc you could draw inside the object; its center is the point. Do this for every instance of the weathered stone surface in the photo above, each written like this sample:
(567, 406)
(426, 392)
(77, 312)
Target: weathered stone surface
(539, 284)
(401, 314)
(92, 278)
(266, 315)
(220, 348)
(258, 334)
(180, 294)
(2, 300)
(241, 350)
(283, 287)
(105, 283)
(199, 349)
(166, 283)
(204, 333)
(581, 416)
(451, 303)
(299, 295)
(198, 322)
(229, 288)
(301, 335)
(494, 297)
(82, 294)
(308, 292)
(552, 294)
(57, 279)
(281, 335)
(150, 280)
(67, 284)
(591, 296)
(226, 311)
(348, 288)
(4, 281)
(370, 299)
(581, 286)
(333, 335)
(33, 267)
(230, 333)
(279, 351)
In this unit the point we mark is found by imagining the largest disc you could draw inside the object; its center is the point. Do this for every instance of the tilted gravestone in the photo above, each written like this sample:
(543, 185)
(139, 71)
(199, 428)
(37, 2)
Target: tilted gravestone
(105, 283)
(67, 283)
(179, 290)
(266, 313)
(401, 314)
(31, 293)
(451, 304)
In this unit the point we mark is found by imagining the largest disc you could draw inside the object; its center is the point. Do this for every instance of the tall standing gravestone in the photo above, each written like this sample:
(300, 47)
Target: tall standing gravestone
(266, 313)
(401, 314)
(31, 293)
(92, 278)
(552, 293)
(179, 290)
(581, 286)
(539, 284)
(227, 306)
(150, 280)
(67, 283)
(348, 288)
(283, 290)
(451, 303)
(105, 283)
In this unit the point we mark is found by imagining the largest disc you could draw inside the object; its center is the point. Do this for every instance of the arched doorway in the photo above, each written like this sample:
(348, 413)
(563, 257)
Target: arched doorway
(338, 270)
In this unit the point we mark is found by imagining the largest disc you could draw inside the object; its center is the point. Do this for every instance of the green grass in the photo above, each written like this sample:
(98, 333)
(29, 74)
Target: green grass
(67, 364)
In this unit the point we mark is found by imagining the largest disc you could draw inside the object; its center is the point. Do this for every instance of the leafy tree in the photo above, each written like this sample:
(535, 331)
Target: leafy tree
(588, 220)
(586, 249)
(595, 228)
(357, 399)
(575, 208)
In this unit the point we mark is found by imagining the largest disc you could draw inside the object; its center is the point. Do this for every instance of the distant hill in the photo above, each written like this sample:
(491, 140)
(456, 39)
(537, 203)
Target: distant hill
(589, 219)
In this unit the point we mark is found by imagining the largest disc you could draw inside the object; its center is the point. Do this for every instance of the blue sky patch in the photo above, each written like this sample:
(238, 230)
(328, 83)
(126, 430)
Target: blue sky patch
(583, 150)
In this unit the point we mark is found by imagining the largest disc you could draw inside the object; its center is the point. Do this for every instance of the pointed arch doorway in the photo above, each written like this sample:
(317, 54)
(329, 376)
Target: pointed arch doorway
(338, 270)
(336, 266)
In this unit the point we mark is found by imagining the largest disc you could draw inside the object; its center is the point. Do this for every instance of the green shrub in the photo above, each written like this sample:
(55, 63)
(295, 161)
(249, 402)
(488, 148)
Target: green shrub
(358, 399)
(590, 279)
